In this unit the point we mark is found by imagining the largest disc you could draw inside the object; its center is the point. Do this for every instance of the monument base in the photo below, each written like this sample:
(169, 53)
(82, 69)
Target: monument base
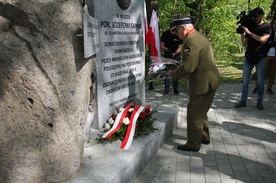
(109, 163)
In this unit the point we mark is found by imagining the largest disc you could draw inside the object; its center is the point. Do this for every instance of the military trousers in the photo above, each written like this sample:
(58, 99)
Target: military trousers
(197, 119)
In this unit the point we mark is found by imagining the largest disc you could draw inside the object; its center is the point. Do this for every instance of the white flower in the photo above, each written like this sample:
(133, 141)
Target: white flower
(162, 67)
(107, 126)
(111, 121)
(120, 109)
(155, 69)
(126, 121)
(102, 130)
(131, 109)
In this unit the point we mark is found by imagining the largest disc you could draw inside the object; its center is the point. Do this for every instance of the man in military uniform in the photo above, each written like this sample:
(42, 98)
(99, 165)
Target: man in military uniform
(199, 64)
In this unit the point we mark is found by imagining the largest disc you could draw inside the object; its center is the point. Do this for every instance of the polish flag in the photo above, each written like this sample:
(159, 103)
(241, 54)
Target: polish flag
(145, 20)
(152, 37)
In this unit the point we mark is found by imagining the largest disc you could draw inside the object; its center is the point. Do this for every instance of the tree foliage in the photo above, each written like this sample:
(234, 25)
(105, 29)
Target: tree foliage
(217, 19)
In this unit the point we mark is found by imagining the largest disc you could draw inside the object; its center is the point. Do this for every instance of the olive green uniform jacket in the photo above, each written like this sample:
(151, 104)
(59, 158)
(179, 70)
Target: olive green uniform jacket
(199, 64)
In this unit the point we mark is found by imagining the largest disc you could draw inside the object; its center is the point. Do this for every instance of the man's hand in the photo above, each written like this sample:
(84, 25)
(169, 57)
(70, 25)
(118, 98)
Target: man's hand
(246, 30)
(165, 49)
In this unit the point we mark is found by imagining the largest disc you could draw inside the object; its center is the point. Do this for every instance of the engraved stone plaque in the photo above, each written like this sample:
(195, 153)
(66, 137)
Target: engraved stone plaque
(120, 61)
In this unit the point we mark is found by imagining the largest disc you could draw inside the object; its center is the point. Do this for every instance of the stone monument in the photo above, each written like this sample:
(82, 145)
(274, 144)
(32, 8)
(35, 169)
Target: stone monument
(120, 62)
(45, 86)
(47, 81)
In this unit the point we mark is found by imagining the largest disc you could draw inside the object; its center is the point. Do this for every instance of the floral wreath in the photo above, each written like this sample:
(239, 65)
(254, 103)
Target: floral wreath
(131, 121)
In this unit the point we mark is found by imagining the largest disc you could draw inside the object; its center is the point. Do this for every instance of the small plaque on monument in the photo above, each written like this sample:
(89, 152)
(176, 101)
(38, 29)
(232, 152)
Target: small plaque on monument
(91, 35)
(120, 61)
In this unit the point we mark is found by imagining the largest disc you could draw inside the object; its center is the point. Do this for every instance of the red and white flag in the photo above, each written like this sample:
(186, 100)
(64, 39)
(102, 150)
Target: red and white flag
(145, 20)
(153, 38)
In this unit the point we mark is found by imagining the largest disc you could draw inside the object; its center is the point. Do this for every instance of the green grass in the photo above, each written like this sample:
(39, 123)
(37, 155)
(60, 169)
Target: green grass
(231, 73)
(231, 69)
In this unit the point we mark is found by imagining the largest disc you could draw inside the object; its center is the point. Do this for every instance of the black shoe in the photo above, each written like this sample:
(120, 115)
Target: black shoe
(185, 148)
(166, 92)
(205, 142)
(176, 92)
(240, 104)
(151, 85)
(260, 106)
(269, 91)
(255, 90)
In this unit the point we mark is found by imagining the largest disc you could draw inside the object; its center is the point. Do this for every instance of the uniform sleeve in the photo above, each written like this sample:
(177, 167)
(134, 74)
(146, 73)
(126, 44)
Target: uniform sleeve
(190, 59)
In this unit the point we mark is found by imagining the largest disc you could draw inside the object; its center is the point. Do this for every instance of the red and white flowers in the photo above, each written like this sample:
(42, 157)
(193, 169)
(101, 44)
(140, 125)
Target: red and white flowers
(130, 122)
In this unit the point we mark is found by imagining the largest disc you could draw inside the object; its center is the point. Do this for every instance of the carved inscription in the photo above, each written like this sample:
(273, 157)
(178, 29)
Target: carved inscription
(121, 67)
(120, 63)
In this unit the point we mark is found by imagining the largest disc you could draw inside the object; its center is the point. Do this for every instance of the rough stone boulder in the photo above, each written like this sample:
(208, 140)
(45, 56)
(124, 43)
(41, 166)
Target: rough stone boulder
(44, 90)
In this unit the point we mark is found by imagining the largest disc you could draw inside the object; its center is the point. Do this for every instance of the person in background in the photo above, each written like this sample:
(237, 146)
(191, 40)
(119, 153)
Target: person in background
(270, 70)
(253, 40)
(171, 45)
(198, 63)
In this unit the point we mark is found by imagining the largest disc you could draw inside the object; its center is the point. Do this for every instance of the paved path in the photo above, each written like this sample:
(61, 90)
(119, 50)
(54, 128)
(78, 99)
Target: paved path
(242, 148)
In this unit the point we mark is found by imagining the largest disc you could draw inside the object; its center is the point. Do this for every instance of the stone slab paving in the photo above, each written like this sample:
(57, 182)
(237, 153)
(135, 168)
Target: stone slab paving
(242, 148)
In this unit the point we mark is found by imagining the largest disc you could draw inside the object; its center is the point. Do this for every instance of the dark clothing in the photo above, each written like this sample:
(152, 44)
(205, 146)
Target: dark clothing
(255, 57)
(255, 52)
(271, 60)
(171, 41)
(270, 69)
(271, 42)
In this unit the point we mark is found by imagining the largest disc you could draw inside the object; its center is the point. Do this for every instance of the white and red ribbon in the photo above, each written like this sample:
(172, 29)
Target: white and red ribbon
(131, 127)
(118, 122)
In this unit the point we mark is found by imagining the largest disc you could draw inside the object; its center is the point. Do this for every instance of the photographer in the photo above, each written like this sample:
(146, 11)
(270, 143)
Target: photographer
(254, 38)
(270, 70)
(171, 45)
